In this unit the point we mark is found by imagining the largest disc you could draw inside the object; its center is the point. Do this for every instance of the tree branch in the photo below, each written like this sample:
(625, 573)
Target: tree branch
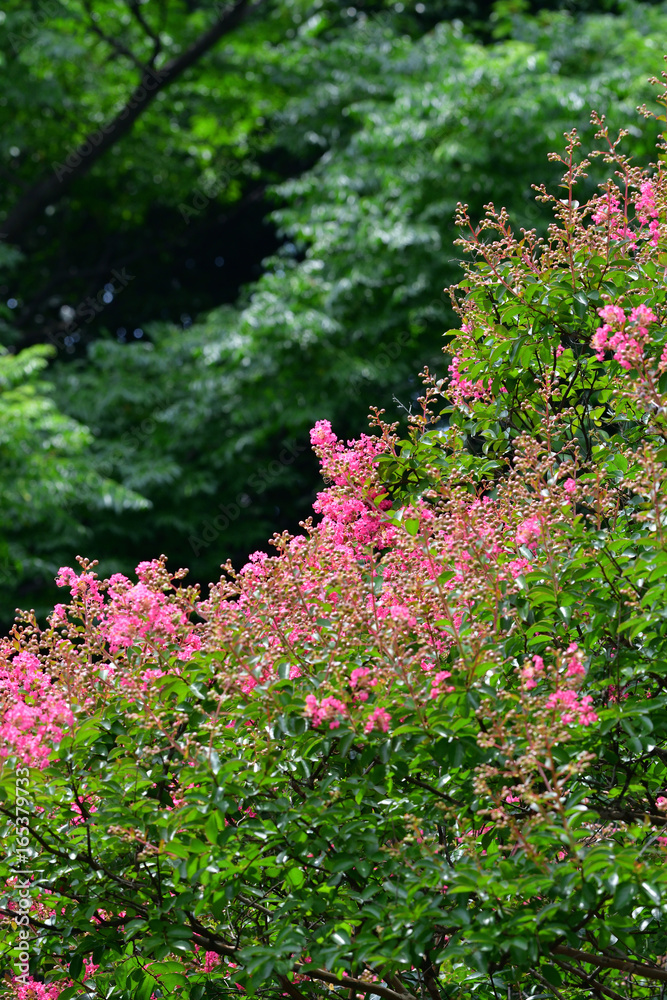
(155, 38)
(607, 962)
(290, 988)
(115, 43)
(359, 985)
(430, 979)
(53, 186)
(545, 982)
(429, 788)
(591, 981)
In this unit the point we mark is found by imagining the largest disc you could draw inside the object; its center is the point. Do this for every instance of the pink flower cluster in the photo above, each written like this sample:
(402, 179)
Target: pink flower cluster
(378, 719)
(327, 709)
(34, 990)
(567, 674)
(137, 613)
(352, 515)
(461, 389)
(647, 211)
(438, 686)
(361, 682)
(529, 531)
(363, 580)
(94, 643)
(625, 335)
(35, 711)
(572, 706)
(530, 672)
(211, 961)
(575, 666)
(608, 213)
(375, 595)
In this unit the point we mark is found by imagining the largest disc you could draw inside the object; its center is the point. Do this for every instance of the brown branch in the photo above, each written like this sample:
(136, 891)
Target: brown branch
(596, 984)
(591, 981)
(607, 962)
(545, 982)
(114, 43)
(358, 984)
(155, 38)
(430, 979)
(210, 943)
(290, 988)
(429, 788)
(53, 186)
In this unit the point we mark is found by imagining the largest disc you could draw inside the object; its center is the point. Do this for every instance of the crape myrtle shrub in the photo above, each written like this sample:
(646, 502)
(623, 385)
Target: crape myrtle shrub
(421, 751)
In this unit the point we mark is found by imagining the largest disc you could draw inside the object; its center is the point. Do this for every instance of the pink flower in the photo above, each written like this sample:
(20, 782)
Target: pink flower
(528, 531)
(642, 315)
(322, 434)
(612, 314)
(379, 719)
(574, 665)
(570, 486)
(517, 567)
(35, 713)
(325, 710)
(85, 586)
(357, 676)
(608, 210)
(66, 577)
(461, 388)
(625, 335)
(140, 613)
(528, 678)
(647, 211)
(438, 686)
(89, 968)
(572, 708)
(529, 670)
(211, 960)
(40, 991)
(190, 646)
(59, 615)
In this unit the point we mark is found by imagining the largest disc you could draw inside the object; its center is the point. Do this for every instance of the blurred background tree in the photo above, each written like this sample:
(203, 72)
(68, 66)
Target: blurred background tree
(232, 220)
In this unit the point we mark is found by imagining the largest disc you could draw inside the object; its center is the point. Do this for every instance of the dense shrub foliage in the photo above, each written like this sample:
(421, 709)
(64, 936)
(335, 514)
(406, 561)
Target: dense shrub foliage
(421, 751)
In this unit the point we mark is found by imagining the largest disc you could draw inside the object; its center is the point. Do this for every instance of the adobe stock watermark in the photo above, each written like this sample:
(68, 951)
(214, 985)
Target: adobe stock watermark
(151, 80)
(21, 879)
(209, 188)
(376, 367)
(38, 17)
(88, 308)
(8, 572)
(259, 481)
